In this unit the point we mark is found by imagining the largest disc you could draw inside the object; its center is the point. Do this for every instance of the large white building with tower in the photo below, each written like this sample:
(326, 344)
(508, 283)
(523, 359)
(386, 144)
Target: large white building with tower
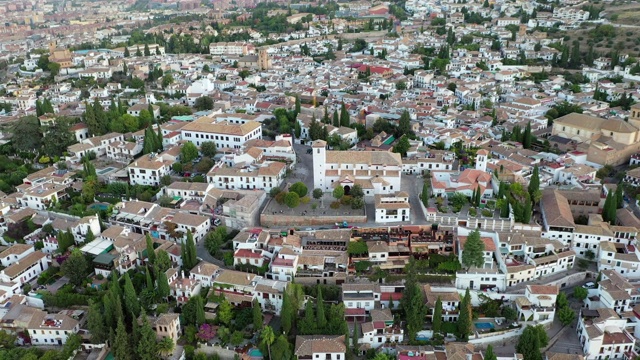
(377, 172)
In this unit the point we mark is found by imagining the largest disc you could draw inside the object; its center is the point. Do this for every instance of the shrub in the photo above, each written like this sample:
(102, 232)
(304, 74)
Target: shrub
(335, 205)
(473, 212)
(314, 206)
(487, 213)
(280, 197)
(305, 200)
(346, 200)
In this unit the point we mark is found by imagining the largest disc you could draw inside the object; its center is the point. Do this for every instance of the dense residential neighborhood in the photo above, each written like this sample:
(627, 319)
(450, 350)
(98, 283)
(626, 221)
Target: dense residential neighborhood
(253, 180)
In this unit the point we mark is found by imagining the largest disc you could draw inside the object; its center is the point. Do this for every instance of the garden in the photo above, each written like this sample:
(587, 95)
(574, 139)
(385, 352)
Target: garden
(297, 198)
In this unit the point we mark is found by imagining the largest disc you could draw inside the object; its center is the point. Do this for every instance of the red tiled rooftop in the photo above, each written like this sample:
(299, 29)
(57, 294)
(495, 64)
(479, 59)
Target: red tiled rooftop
(246, 253)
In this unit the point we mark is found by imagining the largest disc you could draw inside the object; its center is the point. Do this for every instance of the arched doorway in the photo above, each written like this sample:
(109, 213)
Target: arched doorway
(347, 189)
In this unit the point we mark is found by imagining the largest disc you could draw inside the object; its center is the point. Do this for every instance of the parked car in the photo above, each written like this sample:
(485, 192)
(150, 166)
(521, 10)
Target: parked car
(589, 285)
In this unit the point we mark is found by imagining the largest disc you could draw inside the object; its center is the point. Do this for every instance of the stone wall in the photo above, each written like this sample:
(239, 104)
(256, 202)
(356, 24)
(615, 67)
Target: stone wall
(280, 220)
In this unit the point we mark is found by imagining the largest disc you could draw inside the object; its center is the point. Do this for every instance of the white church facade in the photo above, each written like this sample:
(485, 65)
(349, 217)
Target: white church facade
(377, 172)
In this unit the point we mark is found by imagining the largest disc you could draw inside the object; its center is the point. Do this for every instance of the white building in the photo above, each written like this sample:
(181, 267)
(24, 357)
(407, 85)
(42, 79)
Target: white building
(380, 330)
(377, 172)
(15, 253)
(51, 329)
(26, 269)
(148, 170)
(263, 176)
(360, 296)
(603, 335)
(223, 134)
(538, 303)
(393, 208)
(325, 347)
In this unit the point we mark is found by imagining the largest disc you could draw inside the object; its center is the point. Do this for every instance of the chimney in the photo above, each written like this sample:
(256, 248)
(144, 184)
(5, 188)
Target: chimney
(248, 277)
(182, 273)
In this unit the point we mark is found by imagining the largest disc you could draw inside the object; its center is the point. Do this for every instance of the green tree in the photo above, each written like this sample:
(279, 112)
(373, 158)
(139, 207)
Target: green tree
(163, 261)
(534, 185)
(404, 125)
(190, 259)
(437, 316)
(96, 323)
(151, 254)
(489, 354)
(267, 337)
(412, 302)
(208, 149)
(336, 118)
(566, 315)
(529, 344)
(308, 325)
(561, 301)
(121, 347)
(402, 146)
(580, 293)
(320, 315)
(146, 347)
(7, 340)
(188, 152)
(163, 289)
(473, 250)
(292, 199)
(619, 197)
(317, 194)
(204, 103)
(281, 349)
(146, 50)
(75, 268)
(131, 303)
(27, 136)
(465, 317)
(609, 204)
(167, 80)
(345, 118)
(338, 192)
(258, 318)
(300, 188)
(225, 313)
(288, 313)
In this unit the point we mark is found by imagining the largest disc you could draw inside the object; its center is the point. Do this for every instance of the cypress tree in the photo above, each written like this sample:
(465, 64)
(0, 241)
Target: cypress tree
(526, 216)
(146, 347)
(159, 139)
(478, 198)
(151, 254)
(130, 298)
(325, 117)
(121, 347)
(191, 258)
(465, 317)
(39, 111)
(437, 317)
(148, 277)
(163, 286)
(489, 354)
(534, 184)
(320, 315)
(345, 119)
(526, 137)
(619, 197)
(336, 118)
(608, 202)
(146, 50)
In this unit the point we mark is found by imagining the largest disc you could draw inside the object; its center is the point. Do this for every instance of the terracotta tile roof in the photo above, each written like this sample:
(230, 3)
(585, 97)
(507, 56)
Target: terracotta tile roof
(314, 344)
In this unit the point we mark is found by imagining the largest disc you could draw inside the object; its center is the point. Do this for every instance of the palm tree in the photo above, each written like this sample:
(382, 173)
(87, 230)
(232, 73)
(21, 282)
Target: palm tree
(268, 337)
(165, 346)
